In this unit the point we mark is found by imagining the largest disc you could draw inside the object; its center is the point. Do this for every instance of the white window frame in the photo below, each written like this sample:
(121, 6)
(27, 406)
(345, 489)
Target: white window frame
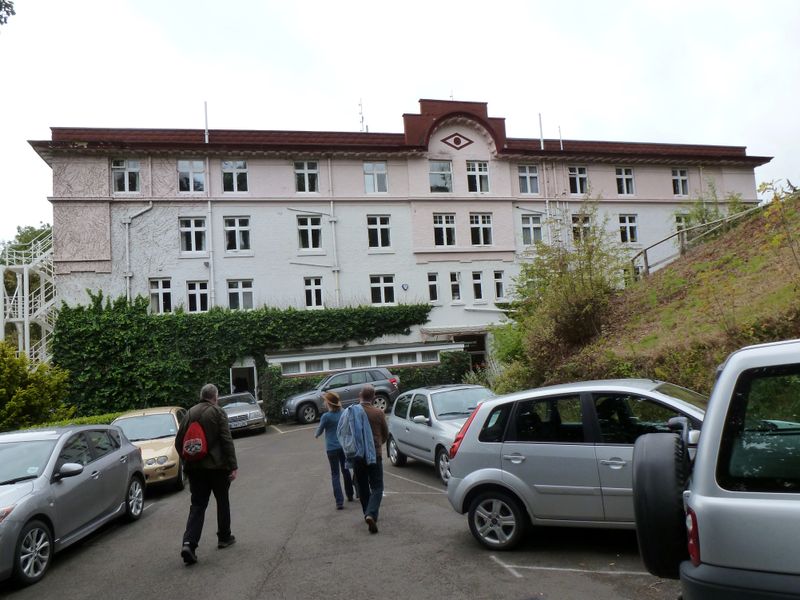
(581, 227)
(196, 291)
(313, 292)
(444, 223)
(680, 182)
(375, 177)
(628, 232)
(625, 183)
(455, 286)
(529, 176)
(478, 176)
(379, 231)
(499, 285)
(242, 290)
(194, 171)
(129, 169)
(531, 229)
(161, 295)
(237, 169)
(477, 286)
(306, 226)
(578, 180)
(384, 286)
(480, 226)
(444, 171)
(306, 176)
(193, 233)
(681, 221)
(237, 229)
(433, 288)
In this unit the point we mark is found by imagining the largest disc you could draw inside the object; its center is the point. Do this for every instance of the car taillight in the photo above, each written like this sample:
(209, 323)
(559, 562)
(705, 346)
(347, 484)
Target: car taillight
(462, 432)
(393, 381)
(693, 536)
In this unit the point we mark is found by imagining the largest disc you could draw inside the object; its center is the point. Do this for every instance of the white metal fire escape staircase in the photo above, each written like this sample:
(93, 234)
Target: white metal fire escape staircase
(31, 300)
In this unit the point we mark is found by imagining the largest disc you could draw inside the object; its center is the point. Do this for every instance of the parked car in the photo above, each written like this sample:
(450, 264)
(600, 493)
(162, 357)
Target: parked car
(307, 406)
(153, 430)
(244, 412)
(733, 512)
(424, 422)
(59, 485)
(558, 455)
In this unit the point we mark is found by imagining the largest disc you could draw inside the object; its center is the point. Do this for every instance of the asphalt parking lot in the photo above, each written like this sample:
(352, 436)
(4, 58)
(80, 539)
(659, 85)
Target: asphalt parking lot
(293, 543)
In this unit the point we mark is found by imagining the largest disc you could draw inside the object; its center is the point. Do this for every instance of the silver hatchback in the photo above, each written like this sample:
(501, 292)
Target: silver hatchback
(59, 485)
(558, 455)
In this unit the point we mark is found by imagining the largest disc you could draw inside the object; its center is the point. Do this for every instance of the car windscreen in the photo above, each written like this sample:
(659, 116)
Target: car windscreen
(148, 427)
(237, 401)
(23, 460)
(457, 404)
(687, 395)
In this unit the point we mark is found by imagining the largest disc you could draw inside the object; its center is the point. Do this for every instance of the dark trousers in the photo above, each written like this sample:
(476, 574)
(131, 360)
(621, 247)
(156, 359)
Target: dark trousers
(369, 479)
(202, 483)
(336, 460)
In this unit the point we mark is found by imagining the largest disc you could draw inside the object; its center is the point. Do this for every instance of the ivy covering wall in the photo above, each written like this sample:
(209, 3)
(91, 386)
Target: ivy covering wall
(121, 357)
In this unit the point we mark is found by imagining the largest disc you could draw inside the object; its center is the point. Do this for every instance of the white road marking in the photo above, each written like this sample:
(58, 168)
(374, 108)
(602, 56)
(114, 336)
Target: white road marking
(430, 487)
(385, 493)
(513, 569)
(146, 506)
(293, 429)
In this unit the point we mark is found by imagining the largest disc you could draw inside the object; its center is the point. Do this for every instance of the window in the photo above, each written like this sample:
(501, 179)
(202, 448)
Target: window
(160, 296)
(337, 363)
(237, 234)
(433, 287)
(477, 176)
(528, 179)
(382, 289)
(623, 418)
(419, 407)
(455, 286)
(191, 176)
(578, 180)
(290, 368)
(531, 229)
(580, 227)
(480, 229)
(102, 442)
(197, 292)
(316, 365)
(384, 359)
(627, 229)
(429, 356)
(499, 286)
(306, 175)
(240, 294)
(125, 175)
(375, 177)
(441, 176)
(625, 181)
(444, 230)
(76, 450)
(193, 235)
(407, 357)
(313, 287)
(680, 182)
(309, 230)
(378, 231)
(401, 406)
(234, 175)
(361, 361)
(477, 285)
(547, 420)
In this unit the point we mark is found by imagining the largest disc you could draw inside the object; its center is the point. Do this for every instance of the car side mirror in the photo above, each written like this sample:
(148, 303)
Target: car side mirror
(420, 419)
(69, 470)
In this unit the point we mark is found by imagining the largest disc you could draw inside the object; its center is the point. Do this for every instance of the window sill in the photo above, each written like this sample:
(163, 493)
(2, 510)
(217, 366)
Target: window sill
(194, 255)
(380, 251)
(311, 252)
(457, 303)
(237, 254)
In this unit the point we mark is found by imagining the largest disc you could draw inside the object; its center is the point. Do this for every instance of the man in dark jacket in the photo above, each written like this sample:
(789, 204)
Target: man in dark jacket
(211, 474)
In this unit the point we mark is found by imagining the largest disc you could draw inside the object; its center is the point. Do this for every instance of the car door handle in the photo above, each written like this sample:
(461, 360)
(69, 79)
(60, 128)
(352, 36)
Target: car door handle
(614, 463)
(123, 459)
(514, 458)
(95, 474)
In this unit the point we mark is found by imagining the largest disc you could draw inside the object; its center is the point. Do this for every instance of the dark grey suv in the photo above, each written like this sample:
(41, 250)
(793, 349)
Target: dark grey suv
(307, 406)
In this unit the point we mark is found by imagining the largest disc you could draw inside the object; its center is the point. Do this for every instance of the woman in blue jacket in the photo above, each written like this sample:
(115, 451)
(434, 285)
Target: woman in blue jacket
(328, 423)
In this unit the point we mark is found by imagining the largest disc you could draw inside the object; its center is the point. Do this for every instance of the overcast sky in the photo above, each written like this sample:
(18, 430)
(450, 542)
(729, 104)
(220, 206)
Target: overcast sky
(697, 72)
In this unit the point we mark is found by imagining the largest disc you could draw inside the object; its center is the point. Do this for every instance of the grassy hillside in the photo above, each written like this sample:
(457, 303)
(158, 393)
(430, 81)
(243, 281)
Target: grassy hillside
(682, 321)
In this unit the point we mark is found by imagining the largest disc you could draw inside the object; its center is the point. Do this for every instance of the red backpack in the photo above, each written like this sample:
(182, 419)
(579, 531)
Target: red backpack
(195, 445)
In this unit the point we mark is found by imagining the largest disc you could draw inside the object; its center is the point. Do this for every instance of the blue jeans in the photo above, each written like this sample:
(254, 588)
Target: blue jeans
(370, 485)
(336, 460)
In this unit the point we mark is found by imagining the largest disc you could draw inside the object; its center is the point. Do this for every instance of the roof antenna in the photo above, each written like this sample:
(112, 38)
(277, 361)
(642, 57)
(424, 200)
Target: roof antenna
(451, 93)
(541, 133)
(361, 114)
(560, 141)
(205, 109)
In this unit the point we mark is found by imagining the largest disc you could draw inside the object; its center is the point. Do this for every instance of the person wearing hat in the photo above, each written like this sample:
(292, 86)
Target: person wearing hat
(328, 423)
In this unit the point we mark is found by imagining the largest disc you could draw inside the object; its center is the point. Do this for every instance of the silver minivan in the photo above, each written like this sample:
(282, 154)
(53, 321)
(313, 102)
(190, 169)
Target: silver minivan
(558, 455)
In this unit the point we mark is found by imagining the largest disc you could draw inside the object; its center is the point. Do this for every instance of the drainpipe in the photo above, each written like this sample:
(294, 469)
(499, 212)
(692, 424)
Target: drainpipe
(332, 220)
(210, 239)
(127, 222)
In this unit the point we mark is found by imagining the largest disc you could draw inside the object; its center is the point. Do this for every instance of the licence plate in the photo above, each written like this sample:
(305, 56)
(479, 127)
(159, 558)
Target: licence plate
(236, 424)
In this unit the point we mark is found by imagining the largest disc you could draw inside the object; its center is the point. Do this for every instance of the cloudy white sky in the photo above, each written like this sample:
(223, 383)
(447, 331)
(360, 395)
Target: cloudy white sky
(703, 72)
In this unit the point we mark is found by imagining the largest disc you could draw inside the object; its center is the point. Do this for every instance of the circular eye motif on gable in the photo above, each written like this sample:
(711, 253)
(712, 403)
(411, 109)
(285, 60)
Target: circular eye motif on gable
(457, 141)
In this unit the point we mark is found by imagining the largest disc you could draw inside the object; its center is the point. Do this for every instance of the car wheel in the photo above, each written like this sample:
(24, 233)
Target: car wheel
(443, 464)
(381, 402)
(397, 458)
(307, 413)
(180, 480)
(660, 473)
(497, 520)
(134, 499)
(34, 553)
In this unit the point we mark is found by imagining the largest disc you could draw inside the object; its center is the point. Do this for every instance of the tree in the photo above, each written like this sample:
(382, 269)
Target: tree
(6, 10)
(30, 396)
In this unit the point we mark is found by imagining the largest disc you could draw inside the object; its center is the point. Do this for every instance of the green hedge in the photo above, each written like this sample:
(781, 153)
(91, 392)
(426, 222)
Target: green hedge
(104, 419)
(121, 357)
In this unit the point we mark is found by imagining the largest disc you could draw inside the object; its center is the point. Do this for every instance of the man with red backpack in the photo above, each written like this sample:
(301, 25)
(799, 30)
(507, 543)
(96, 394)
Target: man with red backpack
(204, 442)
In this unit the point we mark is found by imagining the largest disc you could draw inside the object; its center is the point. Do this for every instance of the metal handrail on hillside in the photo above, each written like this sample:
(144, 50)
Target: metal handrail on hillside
(681, 235)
